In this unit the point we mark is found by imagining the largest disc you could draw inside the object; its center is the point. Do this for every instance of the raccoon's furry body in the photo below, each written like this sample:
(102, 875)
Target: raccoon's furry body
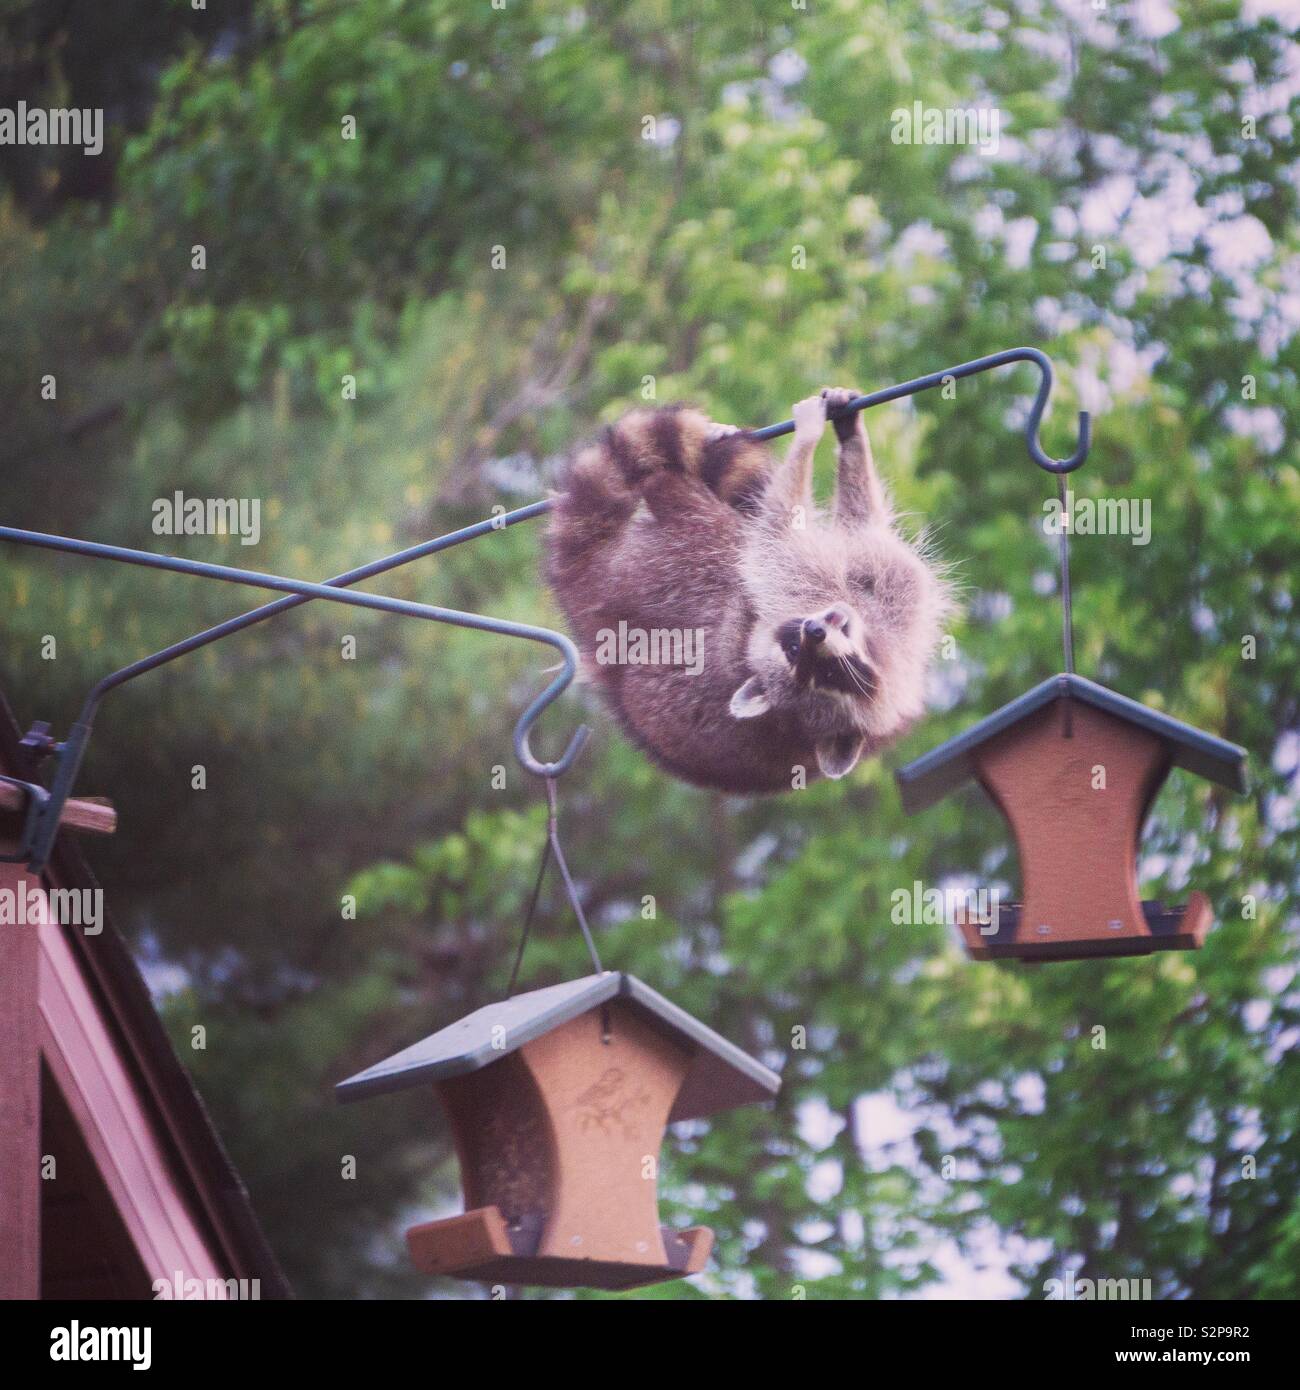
(814, 630)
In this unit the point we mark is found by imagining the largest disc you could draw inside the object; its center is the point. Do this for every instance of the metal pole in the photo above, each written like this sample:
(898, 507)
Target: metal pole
(282, 605)
(71, 752)
(978, 364)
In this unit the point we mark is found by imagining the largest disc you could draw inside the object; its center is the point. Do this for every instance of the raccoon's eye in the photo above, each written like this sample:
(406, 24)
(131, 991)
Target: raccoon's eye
(789, 638)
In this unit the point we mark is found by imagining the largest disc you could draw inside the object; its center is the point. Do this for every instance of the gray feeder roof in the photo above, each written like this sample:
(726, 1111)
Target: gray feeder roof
(720, 1077)
(932, 776)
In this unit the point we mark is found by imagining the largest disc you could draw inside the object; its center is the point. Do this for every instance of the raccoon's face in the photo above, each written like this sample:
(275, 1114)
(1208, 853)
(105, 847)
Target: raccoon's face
(843, 641)
(826, 651)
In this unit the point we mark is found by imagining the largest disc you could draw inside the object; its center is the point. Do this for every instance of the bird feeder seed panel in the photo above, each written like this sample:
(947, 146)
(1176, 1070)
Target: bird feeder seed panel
(1074, 768)
(558, 1101)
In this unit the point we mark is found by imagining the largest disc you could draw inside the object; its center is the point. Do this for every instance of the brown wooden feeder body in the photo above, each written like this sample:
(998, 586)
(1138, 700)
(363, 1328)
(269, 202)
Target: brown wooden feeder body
(559, 1139)
(1074, 769)
(559, 1150)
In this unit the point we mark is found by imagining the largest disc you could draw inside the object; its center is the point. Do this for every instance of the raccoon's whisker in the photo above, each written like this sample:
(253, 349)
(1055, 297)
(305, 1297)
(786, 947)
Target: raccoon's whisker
(855, 676)
(857, 682)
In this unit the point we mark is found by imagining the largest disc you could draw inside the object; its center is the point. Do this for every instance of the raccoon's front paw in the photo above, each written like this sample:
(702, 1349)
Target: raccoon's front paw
(835, 398)
(809, 420)
(717, 431)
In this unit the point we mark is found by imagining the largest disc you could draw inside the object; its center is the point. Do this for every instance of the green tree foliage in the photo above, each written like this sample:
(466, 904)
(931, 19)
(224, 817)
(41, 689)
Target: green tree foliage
(703, 198)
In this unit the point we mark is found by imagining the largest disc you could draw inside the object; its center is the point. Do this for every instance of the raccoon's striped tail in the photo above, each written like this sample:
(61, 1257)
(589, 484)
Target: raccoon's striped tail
(679, 439)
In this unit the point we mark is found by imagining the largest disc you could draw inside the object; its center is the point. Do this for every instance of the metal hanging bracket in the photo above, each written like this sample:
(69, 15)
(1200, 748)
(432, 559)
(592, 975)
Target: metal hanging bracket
(978, 364)
(44, 809)
(34, 807)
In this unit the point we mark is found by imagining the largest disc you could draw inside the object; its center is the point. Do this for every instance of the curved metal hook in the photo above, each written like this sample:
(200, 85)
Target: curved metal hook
(552, 692)
(1043, 460)
(979, 364)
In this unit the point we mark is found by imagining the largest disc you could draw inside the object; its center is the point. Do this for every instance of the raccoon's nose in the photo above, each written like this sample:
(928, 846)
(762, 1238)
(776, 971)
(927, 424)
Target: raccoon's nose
(814, 630)
(836, 617)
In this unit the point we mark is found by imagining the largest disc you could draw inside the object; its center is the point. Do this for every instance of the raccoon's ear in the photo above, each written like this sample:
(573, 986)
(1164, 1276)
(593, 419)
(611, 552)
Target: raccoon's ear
(838, 756)
(750, 700)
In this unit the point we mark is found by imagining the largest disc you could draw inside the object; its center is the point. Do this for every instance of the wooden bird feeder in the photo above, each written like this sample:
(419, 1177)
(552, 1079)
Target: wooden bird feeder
(1074, 768)
(558, 1101)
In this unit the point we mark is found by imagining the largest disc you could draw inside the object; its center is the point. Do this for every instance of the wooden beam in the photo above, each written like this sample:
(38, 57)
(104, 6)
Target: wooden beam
(93, 813)
(20, 1099)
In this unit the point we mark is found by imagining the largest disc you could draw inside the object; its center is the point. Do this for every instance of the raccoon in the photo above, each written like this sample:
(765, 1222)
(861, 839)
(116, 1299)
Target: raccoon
(802, 639)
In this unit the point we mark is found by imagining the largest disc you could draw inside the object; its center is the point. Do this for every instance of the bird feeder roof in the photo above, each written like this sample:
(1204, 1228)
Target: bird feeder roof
(720, 1076)
(931, 777)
